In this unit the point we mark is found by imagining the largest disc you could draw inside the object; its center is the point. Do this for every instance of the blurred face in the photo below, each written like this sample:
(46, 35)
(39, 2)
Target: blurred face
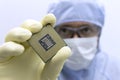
(78, 29)
(83, 39)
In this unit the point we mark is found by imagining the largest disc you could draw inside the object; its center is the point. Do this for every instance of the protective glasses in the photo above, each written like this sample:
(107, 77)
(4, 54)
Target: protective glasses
(82, 31)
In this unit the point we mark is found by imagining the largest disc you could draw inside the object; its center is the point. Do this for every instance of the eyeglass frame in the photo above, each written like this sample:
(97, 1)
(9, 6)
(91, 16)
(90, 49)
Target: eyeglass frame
(95, 30)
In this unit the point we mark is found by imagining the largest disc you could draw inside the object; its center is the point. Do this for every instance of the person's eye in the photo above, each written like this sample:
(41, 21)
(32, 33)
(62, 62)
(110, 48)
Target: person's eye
(86, 31)
(63, 30)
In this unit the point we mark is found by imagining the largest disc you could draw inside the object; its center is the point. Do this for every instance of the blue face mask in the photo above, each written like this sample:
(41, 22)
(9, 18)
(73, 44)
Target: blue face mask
(83, 52)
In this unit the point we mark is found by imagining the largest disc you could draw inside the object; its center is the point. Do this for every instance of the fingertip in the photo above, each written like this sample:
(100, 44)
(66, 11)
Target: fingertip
(48, 19)
(62, 54)
(32, 25)
(11, 49)
(66, 50)
(18, 35)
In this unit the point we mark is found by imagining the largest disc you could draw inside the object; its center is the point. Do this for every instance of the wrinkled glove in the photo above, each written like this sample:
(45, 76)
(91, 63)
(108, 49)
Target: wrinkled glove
(18, 61)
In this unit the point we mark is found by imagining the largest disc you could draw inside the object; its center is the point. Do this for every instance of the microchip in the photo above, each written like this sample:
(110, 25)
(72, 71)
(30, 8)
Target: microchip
(46, 43)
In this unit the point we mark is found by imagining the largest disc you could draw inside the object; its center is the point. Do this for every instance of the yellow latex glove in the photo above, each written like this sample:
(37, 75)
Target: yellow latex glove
(18, 61)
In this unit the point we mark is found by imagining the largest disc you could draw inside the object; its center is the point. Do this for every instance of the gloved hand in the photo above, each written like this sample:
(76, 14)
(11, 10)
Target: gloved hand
(18, 61)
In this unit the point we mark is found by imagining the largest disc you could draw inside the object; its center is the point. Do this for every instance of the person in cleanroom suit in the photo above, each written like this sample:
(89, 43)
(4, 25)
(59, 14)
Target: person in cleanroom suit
(79, 23)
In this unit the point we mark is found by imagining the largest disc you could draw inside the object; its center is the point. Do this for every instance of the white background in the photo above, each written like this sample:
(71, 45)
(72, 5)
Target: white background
(14, 12)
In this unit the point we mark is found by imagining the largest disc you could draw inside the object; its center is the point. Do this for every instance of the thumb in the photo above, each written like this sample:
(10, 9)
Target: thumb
(53, 67)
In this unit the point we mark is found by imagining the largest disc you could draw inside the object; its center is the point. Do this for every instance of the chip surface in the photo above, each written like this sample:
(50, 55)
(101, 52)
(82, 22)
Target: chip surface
(46, 43)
